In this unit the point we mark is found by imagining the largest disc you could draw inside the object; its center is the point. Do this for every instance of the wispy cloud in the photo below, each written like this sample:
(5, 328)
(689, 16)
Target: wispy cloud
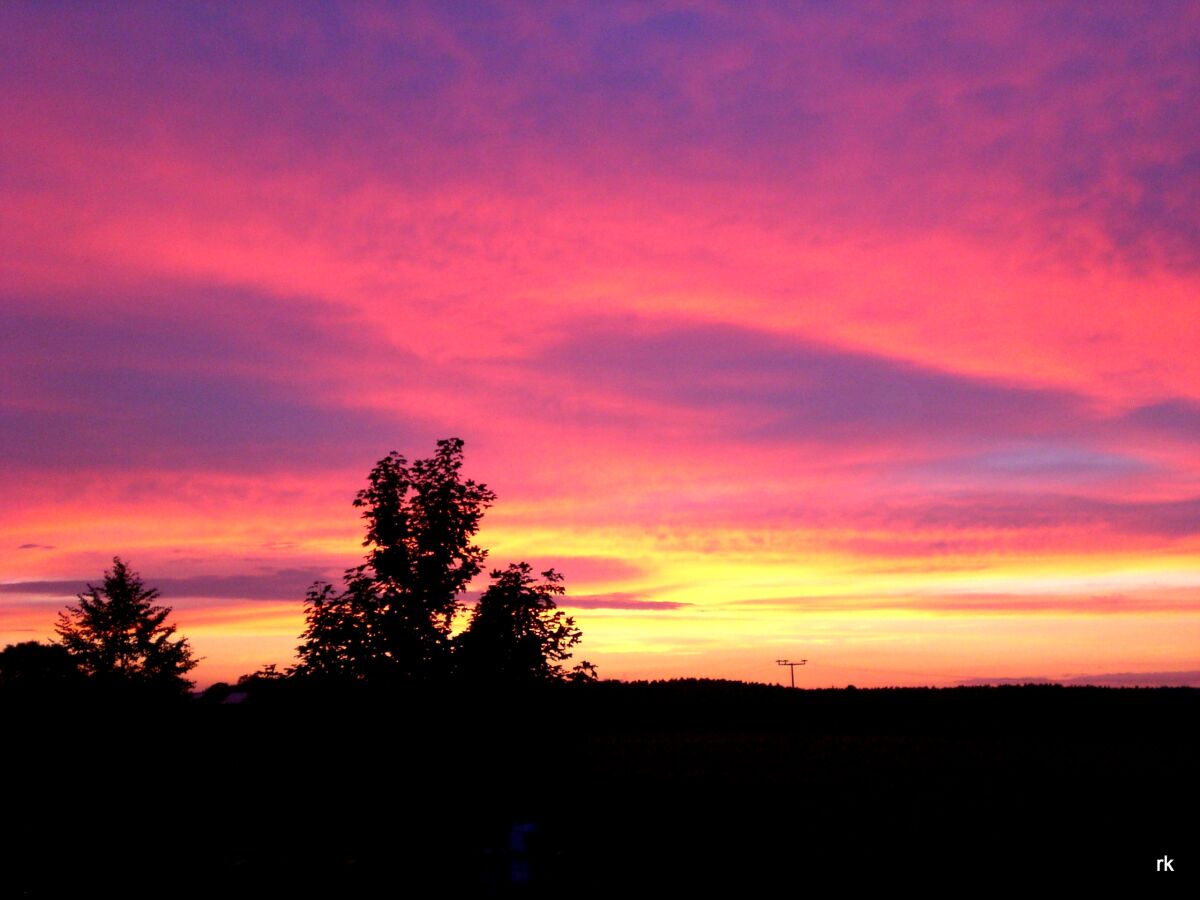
(283, 584)
(628, 600)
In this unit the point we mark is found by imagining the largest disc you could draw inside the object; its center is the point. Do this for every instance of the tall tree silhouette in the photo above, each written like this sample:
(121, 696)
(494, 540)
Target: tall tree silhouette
(118, 634)
(393, 617)
(516, 633)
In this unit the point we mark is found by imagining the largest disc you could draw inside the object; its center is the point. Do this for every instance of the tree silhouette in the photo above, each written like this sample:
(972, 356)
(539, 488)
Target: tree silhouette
(34, 666)
(393, 617)
(118, 635)
(516, 634)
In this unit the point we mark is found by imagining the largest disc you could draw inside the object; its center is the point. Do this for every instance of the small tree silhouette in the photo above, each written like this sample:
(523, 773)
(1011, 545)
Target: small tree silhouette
(117, 634)
(33, 666)
(516, 633)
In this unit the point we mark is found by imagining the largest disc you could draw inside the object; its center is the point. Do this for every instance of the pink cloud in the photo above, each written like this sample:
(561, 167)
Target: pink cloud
(900, 288)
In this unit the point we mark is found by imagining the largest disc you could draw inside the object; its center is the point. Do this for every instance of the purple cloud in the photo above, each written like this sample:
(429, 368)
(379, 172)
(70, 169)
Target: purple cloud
(1168, 518)
(192, 377)
(281, 584)
(973, 117)
(760, 386)
(628, 600)
(1177, 417)
(585, 569)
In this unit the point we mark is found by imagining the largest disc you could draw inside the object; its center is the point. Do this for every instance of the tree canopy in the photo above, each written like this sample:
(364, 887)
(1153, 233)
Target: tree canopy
(393, 617)
(516, 633)
(34, 666)
(118, 634)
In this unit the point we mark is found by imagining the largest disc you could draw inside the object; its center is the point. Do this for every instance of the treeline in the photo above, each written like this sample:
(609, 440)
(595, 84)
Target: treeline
(388, 624)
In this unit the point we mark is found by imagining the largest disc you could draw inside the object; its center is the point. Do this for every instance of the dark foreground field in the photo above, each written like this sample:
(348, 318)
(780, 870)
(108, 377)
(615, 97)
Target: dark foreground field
(599, 789)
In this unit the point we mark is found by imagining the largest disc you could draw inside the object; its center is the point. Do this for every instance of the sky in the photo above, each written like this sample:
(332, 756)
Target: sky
(859, 333)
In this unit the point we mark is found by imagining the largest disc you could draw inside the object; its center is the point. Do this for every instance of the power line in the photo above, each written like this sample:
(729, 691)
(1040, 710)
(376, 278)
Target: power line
(791, 665)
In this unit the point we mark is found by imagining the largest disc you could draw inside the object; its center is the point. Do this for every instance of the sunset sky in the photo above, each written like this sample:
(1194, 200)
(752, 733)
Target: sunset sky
(867, 334)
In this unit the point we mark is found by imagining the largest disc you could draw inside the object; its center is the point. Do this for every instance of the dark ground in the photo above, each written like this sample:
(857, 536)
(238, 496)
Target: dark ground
(618, 787)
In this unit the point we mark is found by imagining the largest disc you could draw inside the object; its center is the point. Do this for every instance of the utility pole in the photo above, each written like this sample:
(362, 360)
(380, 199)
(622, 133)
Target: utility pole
(791, 665)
